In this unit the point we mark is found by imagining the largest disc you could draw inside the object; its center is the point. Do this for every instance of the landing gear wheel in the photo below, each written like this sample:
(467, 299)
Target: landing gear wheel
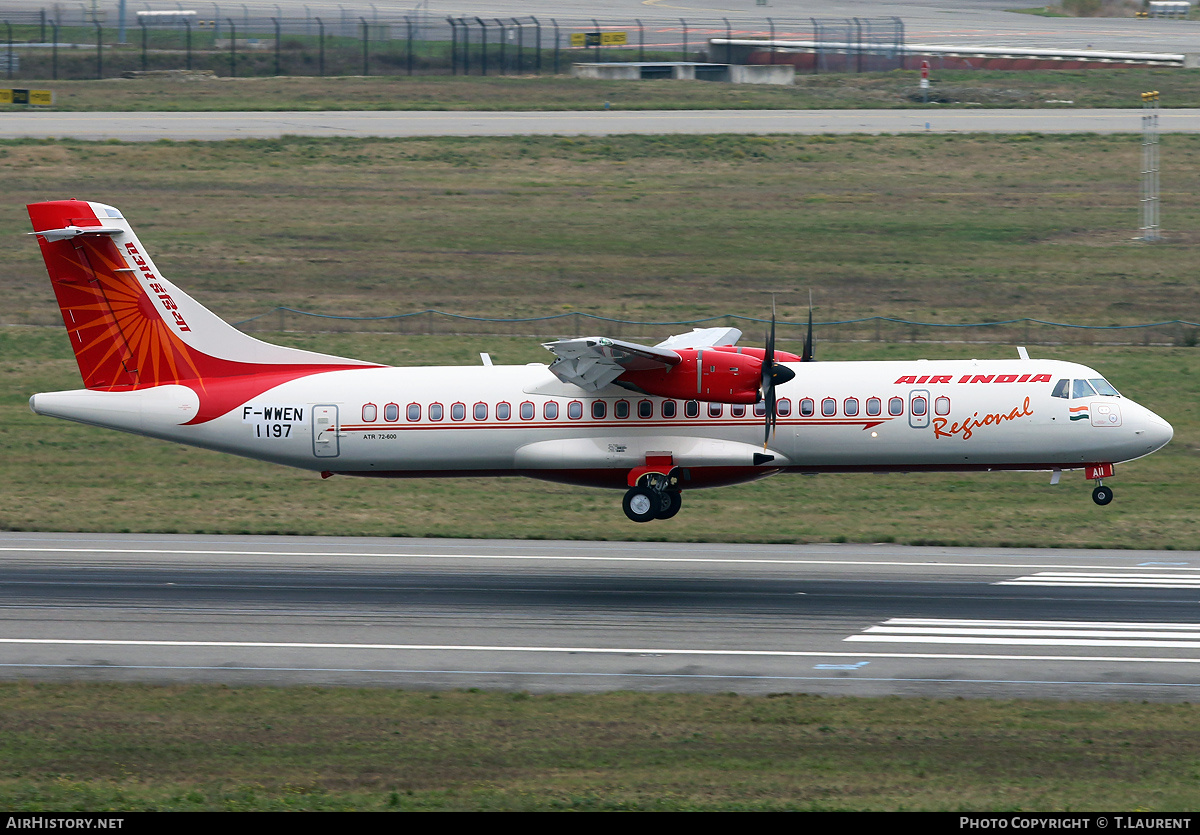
(641, 504)
(672, 500)
(1102, 495)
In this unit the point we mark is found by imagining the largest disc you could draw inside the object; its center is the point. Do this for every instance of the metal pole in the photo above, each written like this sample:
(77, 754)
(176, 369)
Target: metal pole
(728, 41)
(321, 45)
(520, 45)
(596, 29)
(142, 23)
(483, 47)
(366, 36)
(54, 50)
(555, 22)
(9, 71)
(1150, 226)
(232, 48)
(99, 53)
(858, 47)
(641, 40)
(501, 25)
(772, 24)
(408, 29)
(188, 26)
(453, 46)
(216, 22)
(538, 43)
(275, 23)
(684, 24)
(466, 30)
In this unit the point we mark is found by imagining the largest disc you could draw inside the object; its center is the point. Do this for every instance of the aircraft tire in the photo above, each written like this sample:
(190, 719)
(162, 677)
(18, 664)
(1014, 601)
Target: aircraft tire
(1102, 495)
(641, 504)
(672, 500)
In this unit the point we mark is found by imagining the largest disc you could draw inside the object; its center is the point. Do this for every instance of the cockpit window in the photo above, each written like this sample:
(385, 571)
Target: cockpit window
(1103, 386)
(1062, 389)
(1081, 388)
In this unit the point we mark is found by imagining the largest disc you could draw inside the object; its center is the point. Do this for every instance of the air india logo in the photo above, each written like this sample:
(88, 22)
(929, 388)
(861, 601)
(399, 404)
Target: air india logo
(943, 428)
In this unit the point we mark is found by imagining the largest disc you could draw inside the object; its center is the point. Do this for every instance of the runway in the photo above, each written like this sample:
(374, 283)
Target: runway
(148, 127)
(588, 616)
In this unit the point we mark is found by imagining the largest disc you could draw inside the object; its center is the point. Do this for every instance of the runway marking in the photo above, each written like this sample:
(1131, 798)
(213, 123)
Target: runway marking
(1108, 580)
(1034, 633)
(576, 558)
(639, 651)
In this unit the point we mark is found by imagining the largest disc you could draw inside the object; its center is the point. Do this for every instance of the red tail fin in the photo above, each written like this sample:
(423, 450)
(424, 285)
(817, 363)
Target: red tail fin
(131, 328)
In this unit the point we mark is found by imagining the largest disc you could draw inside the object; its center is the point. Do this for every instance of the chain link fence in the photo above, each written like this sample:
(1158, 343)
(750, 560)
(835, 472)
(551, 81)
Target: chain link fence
(76, 41)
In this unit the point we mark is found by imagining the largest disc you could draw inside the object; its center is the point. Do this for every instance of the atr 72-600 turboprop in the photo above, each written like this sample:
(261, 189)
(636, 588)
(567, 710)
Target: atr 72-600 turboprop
(693, 411)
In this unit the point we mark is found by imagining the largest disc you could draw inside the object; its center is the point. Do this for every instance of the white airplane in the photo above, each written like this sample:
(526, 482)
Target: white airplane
(690, 412)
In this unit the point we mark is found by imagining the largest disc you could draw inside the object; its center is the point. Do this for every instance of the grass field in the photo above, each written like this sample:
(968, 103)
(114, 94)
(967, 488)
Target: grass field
(957, 88)
(107, 747)
(946, 229)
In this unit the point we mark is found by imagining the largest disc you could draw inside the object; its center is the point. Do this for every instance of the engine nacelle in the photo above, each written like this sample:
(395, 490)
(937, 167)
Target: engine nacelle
(760, 353)
(704, 374)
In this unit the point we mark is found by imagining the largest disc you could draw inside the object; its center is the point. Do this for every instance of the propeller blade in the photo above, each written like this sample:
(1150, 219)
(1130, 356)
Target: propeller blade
(807, 356)
(768, 382)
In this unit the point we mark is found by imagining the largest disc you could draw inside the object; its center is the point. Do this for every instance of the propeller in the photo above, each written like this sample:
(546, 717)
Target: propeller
(773, 374)
(807, 356)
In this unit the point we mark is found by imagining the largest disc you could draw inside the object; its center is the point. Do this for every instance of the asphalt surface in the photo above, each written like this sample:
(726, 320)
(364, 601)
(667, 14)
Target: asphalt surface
(585, 616)
(135, 127)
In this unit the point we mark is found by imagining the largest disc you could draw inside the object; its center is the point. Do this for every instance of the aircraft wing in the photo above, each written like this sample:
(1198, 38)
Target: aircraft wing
(592, 362)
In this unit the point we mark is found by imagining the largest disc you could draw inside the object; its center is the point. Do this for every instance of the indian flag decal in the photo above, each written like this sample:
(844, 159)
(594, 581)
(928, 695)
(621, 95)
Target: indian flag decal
(1079, 412)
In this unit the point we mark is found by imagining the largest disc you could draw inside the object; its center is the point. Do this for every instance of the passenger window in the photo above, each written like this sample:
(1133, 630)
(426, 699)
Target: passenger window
(481, 410)
(621, 409)
(829, 407)
(527, 410)
(435, 411)
(784, 407)
(1062, 389)
(737, 411)
(414, 411)
(850, 406)
(919, 406)
(691, 409)
(896, 406)
(370, 412)
(503, 411)
(574, 410)
(760, 409)
(714, 410)
(458, 411)
(599, 409)
(391, 412)
(1082, 389)
(645, 409)
(550, 410)
(874, 406)
(941, 406)
(668, 408)
(807, 407)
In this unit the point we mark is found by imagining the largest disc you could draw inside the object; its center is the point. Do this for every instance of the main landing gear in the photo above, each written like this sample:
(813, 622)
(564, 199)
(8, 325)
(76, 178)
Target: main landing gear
(645, 503)
(655, 493)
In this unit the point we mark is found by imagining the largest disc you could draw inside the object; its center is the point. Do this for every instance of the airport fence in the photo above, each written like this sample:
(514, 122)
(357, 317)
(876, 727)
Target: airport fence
(80, 42)
(882, 329)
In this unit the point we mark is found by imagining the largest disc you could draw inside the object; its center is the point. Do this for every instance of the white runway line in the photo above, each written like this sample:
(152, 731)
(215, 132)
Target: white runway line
(1106, 580)
(1033, 633)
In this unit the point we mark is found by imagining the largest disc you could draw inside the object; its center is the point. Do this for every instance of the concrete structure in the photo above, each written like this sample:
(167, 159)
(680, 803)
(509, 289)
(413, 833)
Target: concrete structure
(734, 73)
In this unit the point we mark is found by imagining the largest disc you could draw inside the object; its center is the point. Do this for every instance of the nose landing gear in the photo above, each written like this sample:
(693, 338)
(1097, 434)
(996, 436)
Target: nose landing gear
(1098, 472)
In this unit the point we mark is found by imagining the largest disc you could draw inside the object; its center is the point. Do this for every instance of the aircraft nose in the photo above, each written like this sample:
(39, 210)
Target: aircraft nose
(1158, 432)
